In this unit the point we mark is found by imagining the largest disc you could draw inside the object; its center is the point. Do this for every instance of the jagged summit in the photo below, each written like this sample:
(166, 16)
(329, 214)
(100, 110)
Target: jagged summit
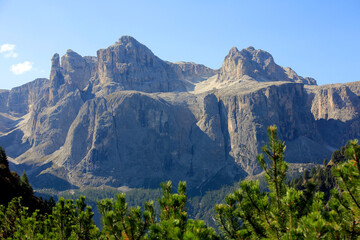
(130, 46)
(258, 65)
(125, 65)
(126, 40)
(250, 48)
(130, 65)
(128, 50)
(233, 50)
(69, 51)
(55, 60)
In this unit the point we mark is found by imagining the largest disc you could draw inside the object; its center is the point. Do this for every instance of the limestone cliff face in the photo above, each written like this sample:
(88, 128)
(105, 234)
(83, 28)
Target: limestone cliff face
(247, 114)
(4, 95)
(336, 102)
(15, 105)
(126, 117)
(21, 99)
(336, 110)
(73, 70)
(45, 127)
(78, 70)
(139, 139)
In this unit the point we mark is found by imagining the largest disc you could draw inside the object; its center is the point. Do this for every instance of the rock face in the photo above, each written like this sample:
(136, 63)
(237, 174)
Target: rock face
(336, 111)
(126, 117)
(78, 70)
(20, 100)
(141, 140)
(194, 72)
(338, 102)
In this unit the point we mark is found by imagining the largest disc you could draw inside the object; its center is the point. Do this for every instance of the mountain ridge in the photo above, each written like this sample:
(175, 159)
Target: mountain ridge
(126, 117)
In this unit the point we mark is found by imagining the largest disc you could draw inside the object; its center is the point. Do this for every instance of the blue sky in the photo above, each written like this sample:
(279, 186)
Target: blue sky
(320, 39)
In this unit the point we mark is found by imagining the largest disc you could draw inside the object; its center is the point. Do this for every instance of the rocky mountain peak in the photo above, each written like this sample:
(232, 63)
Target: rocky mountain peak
(77, 70)
(250, 48)
(69, 58)
(56, 77)
(233, 51)
(258, 65)
(73, 70)
(124, 40)
(130, 50)
(55, 61)
(130, 65)
(69, 51)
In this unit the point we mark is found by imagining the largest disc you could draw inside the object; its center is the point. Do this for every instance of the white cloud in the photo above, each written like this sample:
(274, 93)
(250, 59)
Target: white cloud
(8, 50)
(21, 67)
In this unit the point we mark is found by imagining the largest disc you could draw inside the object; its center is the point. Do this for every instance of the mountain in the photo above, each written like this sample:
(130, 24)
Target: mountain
(128, 118)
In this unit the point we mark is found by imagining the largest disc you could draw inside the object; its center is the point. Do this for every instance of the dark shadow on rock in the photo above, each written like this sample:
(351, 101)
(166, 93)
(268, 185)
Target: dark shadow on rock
(48, 180)
(13, 145)
(336, 133)
(45, 180)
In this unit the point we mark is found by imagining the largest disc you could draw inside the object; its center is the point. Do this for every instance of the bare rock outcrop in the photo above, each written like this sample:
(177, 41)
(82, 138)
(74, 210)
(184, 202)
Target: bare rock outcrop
(247, 113)
(256, 64)
(78, 70)
(194, 72)
(21, 99)
(336, 102)
(336, 109)
(129, 65)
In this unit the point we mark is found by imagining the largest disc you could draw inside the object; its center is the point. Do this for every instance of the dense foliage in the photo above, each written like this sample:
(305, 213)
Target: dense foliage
(298, 211)
(287, 213)
(320, 179)
(198, 206)
(73, 220)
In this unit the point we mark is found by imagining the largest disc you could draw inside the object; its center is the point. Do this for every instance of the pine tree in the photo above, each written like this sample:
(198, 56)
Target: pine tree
(25, 184)
(275, 176)
(10, 218)
(63, 218)
(3, 158)
(119, 222)
(84, 227)
(345, 201)
(174, 222)
(277, 214)
(173, 216)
